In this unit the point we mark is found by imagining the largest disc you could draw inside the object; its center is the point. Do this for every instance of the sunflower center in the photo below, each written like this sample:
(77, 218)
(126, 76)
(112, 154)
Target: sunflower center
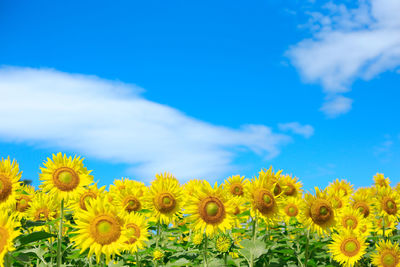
(3, 238)
(84, 199)
(237, 189)
(23, 203)
(362, 207)
(264, 201)
(350, 222)
(165, 202)
(337, 202)
(5, 187)
(65, 179)
(291, 210)
(389, 205)
(131, 203)
(41, 214)
(133, 232)
(212, 210)
(388, 259)
(350, 247)
(321, 211)
(277, 189)
(105, 229)
(290, 190)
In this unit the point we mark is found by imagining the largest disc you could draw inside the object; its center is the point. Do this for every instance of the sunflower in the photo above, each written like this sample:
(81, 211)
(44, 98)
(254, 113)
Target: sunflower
(291, 209)
(91, 192)
(350, 218)
(7, 234)
(130, 199)
(397, 187)
(273, 180)
(210, 210)
(24, 198)
(338, 199)
(387, 255)
(292, 186)
(43, 208)
(138, 235)
(264, 204)
(9, 183)
(318, 213)
(100, 229)
(387, 202)
(197, 238)
(125, 183)
(164, 198)
(347, 247)
(239, 205)
(223, 243)
(381, 181)
(387, 222)
(65, 178)
(362, 201)
(340, 186)
(235, 185)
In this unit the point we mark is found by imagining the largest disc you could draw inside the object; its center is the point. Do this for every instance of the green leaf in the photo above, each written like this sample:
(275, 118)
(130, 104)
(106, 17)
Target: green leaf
(35, 236)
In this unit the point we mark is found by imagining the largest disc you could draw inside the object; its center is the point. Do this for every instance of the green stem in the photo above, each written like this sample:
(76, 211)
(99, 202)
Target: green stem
(226, 259)
(306, 252)
(205, 252)
(60, 231)
(137, 259)
(253, 234)
(7, 260)
(158, 234)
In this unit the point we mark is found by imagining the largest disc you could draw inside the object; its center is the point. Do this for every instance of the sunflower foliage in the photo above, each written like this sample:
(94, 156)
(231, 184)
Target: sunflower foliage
(267, 220)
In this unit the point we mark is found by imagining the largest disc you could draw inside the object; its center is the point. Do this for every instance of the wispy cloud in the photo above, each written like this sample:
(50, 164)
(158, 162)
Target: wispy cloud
(348, 44)
(295, 127)
(113, 121)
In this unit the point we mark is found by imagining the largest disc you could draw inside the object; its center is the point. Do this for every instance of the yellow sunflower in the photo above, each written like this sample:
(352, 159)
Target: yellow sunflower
(125, 183)
(338, 199)
(7, 234)
(291, 186)
(362, 201)
(273, 180)
(352, 219)
(9, 183)
(138, 235)
(100, 229)
(210, 210)
(130, 199)
(387, 202)
(24, 197)
(387, 254)
(235, 185)
(264, 204)
(381, 181)
(43, 208)
(387, 222)
(397, 187)
(164, 198)
(340, 186)
(347, 247)
(318, 213)
(65, 178)
(291, 209)
(92, 191)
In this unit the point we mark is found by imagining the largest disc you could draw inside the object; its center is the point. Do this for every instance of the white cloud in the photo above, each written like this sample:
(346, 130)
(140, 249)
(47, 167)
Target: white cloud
(348, 44)
(336, 105)
(295, 127)
(112, 121)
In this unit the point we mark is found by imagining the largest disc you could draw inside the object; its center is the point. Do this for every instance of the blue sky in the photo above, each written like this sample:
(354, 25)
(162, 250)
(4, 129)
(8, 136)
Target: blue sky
(203, 88)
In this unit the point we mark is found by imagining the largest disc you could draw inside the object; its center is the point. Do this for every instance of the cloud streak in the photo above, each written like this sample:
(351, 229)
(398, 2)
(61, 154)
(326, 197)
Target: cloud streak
(112, 121)
(348, 44)
(305, 130)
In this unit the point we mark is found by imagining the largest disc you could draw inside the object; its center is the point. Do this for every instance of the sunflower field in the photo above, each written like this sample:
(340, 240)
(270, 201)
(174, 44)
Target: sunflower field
(264, 221)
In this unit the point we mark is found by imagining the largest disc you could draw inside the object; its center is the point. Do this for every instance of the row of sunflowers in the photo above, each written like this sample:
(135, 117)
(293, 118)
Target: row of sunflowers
(264, 221)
